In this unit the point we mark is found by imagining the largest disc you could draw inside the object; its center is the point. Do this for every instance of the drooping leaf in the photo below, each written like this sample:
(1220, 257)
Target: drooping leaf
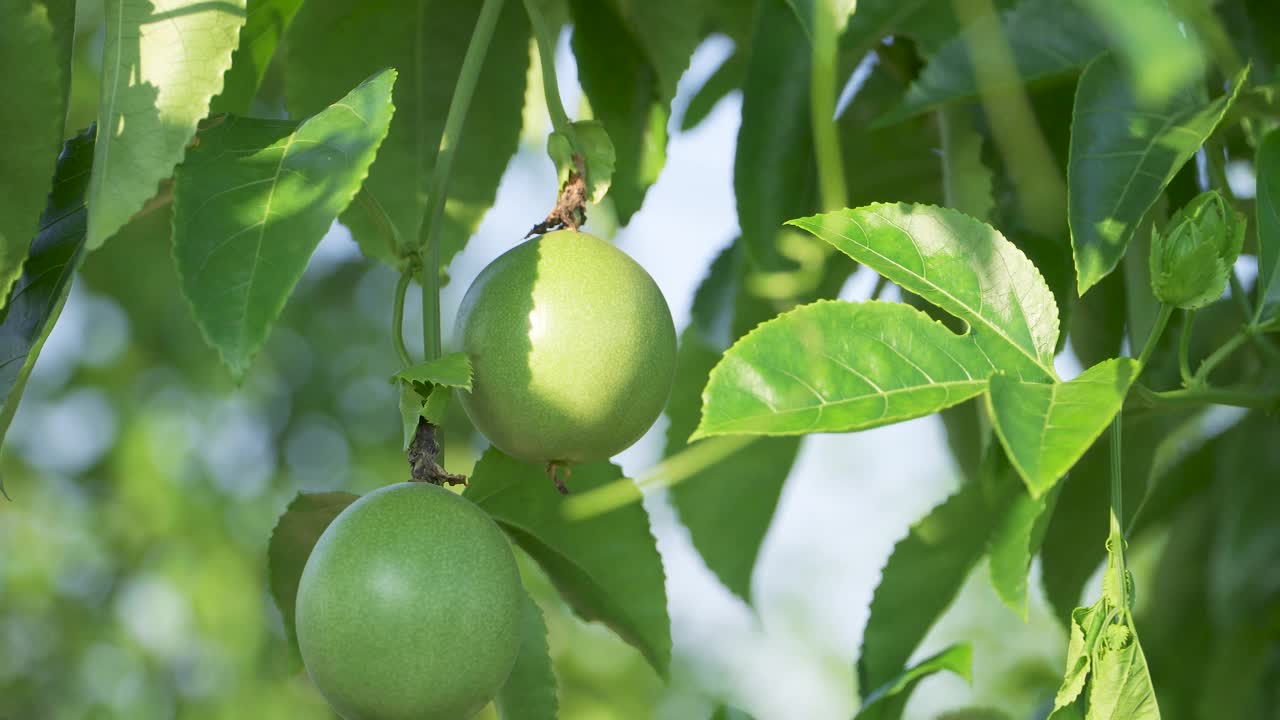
(1268, 208)
(927, 569)
(606, 567)
(1121, 685)
(334, 44)
(31, 93)
(887, 701)
(1047, 427)
(1123, 154)
(1084, 626)
(775, 133)
(598, 155)
(630, 57)
(839, 366)
(296, 533)
(36, 298)
(163, 61)
(530, 690)
(728, 506)
(265, 24)
(1015, 540)
(727, 78)
(452, 370)
(960, 265)
(253, 200)
(1045, 37)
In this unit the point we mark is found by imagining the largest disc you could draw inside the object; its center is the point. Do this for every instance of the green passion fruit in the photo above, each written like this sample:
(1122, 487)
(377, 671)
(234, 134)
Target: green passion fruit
(410, 607)
(572, 347)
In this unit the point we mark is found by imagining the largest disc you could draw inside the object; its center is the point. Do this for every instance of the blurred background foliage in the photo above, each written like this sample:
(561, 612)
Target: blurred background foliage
(146, 484)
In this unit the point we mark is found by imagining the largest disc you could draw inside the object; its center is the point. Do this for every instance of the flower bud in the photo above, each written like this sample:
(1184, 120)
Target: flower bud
(1192, 259)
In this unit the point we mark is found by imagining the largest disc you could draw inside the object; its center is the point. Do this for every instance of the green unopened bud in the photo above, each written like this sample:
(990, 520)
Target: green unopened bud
(1192, 259)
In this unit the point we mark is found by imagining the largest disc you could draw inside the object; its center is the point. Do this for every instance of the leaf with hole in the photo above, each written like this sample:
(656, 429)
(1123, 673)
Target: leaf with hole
(252, 202)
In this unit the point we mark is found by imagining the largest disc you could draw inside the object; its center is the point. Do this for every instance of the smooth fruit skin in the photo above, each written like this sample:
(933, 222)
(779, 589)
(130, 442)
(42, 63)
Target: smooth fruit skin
(410, 607)
(572, 347)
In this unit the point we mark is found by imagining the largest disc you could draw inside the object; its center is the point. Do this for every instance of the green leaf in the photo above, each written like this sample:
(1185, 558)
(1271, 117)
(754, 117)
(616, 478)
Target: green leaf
(530, 690)
(162, 62)
(775, 134)
(887, 701)
(1121, 686)
(452, 370)
(37, 297)
(607, 566)
(839, 366)
(931, 23)
(630, 57)
(1123, 155)
(725, 712)
(927, 569)
(334, 44)
(1047, 427)
(436, 408)
(727, 78)
(31, 93)
(1084, 626)
(265, 24)
(1015, 540)
(412, 406)
(253, 200)
(960, 265)
(296, 533)
(598, 155)
(966, 180)
(1046, 38)
(728, 506)
(974, 713)
(1159, 49)
(1268, 207)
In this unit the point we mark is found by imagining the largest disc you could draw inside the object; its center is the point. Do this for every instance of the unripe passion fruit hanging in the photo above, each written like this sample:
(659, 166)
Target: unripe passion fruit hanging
(572, 349)
(410, 607)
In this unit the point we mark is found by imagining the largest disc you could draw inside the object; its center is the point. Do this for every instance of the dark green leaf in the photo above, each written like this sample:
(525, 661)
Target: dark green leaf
(607, 566)
(1097, 321)
(37, 297)
(253, 200)
(264, 27)
(887, 701)
(839, 366)
(931, 23)
(452, 370)
(727, 78)
(1047, 427)
(1123, 155)
(530, 690)
(775, 134)
(296, 533)
(1046, 38)
(960, 265)
(976, 713)
(34, 102)
(630, 57)
(334, 44)
(967, 182)
(1268, 206)
(927, 569)
(1158, 48)
(162, 64)
(728, 506)
(1015, 540)
(724, 712)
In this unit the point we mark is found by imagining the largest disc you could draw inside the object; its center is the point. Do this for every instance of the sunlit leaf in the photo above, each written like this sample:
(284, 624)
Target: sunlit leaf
(839, 366)
(530, 690)
(264, 27)
(1268, 206)
(334, 44)
(606, 567)
(253, 200)
(452, 370)
(960, 265)
(162, 62)
(1047, 427)
(1123, 155)
(1121, 685)
(1159, 49)
(887, 701)
(296, 533)
(31, 93)
(36, 298)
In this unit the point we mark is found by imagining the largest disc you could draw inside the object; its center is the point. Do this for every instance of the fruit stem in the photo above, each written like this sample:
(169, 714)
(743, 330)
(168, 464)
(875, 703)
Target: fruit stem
(822, 106)
(397, 319)
(546, 42)
(438, 189)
